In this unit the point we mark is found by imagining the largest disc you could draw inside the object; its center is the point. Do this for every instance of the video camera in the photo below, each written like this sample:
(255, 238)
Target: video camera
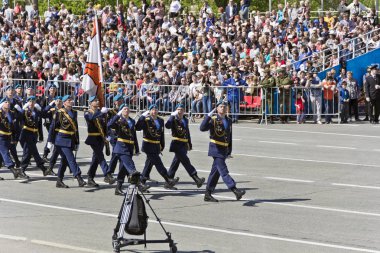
(134, 178)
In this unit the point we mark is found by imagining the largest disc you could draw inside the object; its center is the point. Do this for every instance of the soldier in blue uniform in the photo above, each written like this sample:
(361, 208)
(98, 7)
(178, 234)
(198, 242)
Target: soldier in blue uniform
(50, 112)
(96, 127)
(6, 135)
(49, 100)
(220, 147)
(30, 115)
(65, 136)
(153, 144)
(124, 149)
(181, 144)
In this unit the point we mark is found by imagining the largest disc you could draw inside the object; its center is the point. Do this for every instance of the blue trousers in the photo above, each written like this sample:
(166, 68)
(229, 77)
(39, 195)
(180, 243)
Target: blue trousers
(67, 158)
(13, 150)
(29, 150)
(98, 159)
(113, 162)
(181, 157)
(219, 168)
(54, 157)
(235, 108)
(6, 157)
(126, 163)
(153, 160)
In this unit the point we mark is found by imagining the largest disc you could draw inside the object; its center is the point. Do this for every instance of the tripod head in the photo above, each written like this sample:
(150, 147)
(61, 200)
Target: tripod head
(134, 178)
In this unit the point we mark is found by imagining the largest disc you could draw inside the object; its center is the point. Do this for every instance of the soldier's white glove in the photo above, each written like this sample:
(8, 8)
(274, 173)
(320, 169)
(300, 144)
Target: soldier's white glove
(18, 108)
(25, 106)
(1, 105)
(49, 145)
(104, 110)
(120, 113)
(175, 113)
(38, 107)
(52, 103)
(367, 99)
(211, 113)
(145, 114)
(377, 86)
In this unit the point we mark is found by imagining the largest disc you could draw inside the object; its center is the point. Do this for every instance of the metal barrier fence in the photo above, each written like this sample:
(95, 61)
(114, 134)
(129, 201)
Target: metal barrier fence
(198, 100)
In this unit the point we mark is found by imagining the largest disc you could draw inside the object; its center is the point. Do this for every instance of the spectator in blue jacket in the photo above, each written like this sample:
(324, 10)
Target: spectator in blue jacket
(234, 93)
(344, 98)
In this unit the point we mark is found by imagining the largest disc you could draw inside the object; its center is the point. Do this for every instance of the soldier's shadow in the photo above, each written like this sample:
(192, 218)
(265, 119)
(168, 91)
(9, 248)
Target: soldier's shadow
(100, 188)
(252, 203)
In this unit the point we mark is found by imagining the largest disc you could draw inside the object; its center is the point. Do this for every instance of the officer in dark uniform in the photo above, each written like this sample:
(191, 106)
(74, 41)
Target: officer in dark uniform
(96, 127)
(372, 91)
(124, 149)
(153, 144)
(284, 84)
(65, 136)
(220, 147)
(181, 144)
(6, 132)
(16, 123)
(46, 101)
(50, 112)
(30, 114)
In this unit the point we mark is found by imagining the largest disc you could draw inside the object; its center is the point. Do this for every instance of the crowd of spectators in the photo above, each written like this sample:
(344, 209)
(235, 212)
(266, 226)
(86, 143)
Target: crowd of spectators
(159, 54)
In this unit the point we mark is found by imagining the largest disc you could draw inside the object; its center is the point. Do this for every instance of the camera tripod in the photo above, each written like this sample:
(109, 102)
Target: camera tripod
(118, 241)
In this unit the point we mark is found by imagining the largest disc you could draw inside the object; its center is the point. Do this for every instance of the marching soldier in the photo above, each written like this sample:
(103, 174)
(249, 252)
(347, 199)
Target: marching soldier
(96, 127)
(124, 148)
(49, 100)
(153, 144)
(181, 144)
(284, 83)
(220, 147)
(30, 115)
(65, 136)
(268, 83)
(6, 135)
(50, 112)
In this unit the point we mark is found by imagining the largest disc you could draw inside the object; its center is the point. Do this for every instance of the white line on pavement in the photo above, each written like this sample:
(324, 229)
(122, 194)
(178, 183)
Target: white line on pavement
(289, 179)
(357, 186)
(65, 246)
(336, 246)
(236, 139)
(277, 142)
(309, 132)
(300, 159)
(335, 147)
(11, 237)
(232, 174)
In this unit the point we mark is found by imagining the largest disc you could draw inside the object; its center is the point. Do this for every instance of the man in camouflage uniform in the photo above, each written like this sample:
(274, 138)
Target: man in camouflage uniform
(268, 83)
(284, 84)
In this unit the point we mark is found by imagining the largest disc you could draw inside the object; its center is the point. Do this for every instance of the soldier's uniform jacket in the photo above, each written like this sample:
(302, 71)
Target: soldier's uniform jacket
(283, 81)
(16, 126)
(180, 133)
(96, 127)
(220, 136)
(64, 128)
(29, 124)
(153, 135)
(50, 112)
(111, 130)
(6, 129)
(268, 82)
(126, 138)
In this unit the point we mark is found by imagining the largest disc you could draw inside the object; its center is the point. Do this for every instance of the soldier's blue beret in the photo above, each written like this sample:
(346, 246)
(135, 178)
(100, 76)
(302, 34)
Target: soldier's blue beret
(52, 85)
(58, 98)
(117, 97)
(123, 106)
(9, 87)
(3, 100)
(31, 98)
(153, 106)
(66, 98)
(180, 106)
(92, 98)
(17, 86)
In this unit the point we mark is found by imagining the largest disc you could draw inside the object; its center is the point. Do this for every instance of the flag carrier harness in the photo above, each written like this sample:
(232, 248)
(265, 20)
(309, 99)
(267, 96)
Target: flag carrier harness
(133, 207)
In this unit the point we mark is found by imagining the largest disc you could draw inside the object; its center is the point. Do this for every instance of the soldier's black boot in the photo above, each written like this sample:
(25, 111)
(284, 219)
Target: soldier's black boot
(238, 193)
(109, 179)
(118, 189)
(91, 182)
(209, 198)
(143, 186)
(170, 182)
(60, 184)
(15, 172)
(45, 158)
(1, 178)
(81, 182)
(48, 172)
(21, 174)
(198, 181)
